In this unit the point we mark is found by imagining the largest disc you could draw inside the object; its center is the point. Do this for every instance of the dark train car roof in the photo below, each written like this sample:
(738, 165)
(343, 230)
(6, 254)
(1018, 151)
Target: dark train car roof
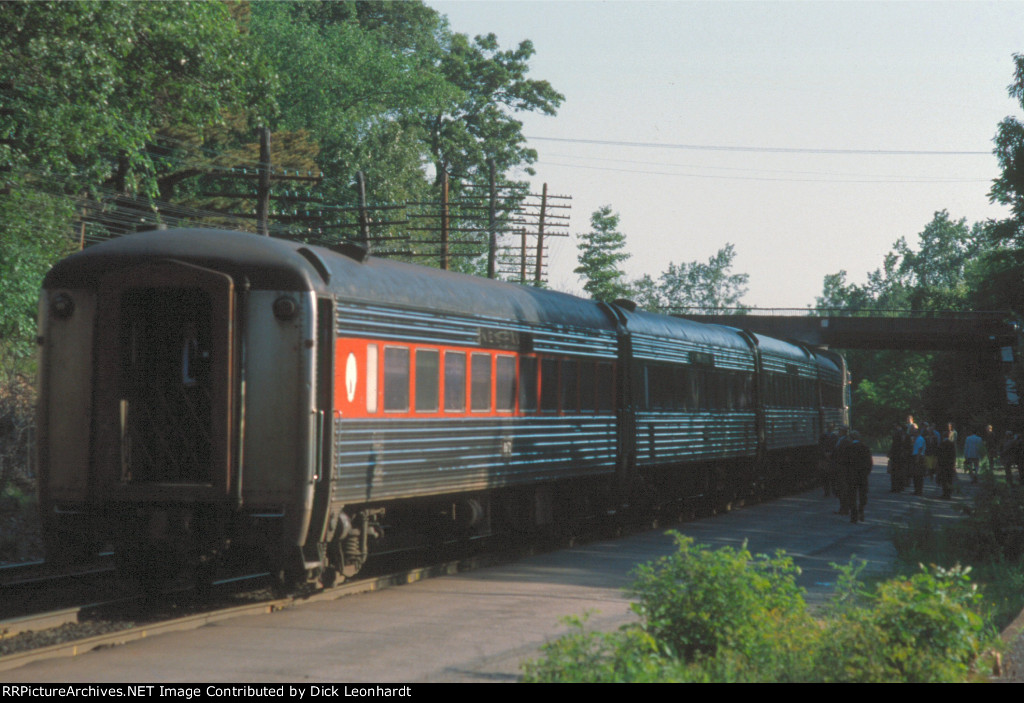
(278, 264)
(782, 348)
(829, 359)
(643, 322)
(267, 263)
(376, 281)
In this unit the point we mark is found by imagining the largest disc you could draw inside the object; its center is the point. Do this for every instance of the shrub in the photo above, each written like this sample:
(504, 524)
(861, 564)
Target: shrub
(726, 615)
(698, 603)
(626, 656)
(926, 628)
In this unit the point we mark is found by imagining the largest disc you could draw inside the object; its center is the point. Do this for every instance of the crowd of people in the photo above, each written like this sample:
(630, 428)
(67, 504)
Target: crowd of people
(915, 453)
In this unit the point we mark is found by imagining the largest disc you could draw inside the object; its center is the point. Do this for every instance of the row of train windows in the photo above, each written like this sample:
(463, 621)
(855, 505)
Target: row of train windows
(427, 380)
(787, 391)
(675, 387)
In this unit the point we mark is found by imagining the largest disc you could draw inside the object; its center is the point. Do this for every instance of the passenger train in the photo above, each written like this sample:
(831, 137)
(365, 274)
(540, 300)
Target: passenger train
(211, 396)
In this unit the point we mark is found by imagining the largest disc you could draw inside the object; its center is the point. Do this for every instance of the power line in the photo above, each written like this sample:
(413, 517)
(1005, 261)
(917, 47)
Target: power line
(762, 149)
(867, 179)
(747, 169)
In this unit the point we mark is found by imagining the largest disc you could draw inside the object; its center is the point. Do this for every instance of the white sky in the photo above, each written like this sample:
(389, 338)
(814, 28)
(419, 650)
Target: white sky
(909, 76)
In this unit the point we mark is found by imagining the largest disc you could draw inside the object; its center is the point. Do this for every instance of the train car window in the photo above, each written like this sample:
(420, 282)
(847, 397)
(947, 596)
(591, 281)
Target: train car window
(605, 387)
(455, 381)
(505, 383)
(724, 390)
(746, 391)
(703, 392)
(428, 380)
(527, 384)
(654, 389)
(548, 385)
(371, 378)
(663, 387)
(396, 379)
(570, 386)
(714, 383)
(588, 403)
(480, 383)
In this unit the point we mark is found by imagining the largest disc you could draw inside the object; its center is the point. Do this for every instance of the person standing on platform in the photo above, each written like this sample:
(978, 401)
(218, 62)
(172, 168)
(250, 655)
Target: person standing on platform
(917, 469)
(945, 465)
(898, 459)
(972, 455)
(991, 447)
(931, 448)
(841, 488)
(855, 465)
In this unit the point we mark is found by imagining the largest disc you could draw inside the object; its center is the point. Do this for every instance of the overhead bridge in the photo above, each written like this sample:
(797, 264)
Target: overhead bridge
(934, 331)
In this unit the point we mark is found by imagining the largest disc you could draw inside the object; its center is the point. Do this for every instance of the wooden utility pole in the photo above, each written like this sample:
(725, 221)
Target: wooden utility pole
(263, 189)
(444, 221)
(492, 222)
(364, 220)
(540, 235)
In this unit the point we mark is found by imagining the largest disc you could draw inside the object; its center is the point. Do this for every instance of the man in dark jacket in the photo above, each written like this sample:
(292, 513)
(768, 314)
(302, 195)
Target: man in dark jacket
(855, 465)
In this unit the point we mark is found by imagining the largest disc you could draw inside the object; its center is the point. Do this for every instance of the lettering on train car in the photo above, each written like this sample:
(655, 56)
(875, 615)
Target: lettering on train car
(510, 340)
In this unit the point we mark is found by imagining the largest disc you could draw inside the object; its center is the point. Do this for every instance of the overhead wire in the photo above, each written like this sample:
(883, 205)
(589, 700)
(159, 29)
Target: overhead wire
(762, 149)
(840, 179)
(744, 169)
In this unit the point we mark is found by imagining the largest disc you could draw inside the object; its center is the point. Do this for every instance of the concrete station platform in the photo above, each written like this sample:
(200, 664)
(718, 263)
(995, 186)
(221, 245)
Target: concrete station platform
(480, 626)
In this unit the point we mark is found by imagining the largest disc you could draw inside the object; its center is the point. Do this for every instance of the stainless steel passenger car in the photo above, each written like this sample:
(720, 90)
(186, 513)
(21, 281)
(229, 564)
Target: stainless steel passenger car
(213, 395)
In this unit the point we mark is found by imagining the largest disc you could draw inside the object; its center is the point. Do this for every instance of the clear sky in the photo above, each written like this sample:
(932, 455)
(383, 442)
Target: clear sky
(781, 85)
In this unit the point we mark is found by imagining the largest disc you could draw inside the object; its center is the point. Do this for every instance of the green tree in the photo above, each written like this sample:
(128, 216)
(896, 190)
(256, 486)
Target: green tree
(1008, 188)
(601, 252)
(87, 89)
(480, 124)
(698, 287)
(89, 84)
(935, 274)
(357, 81)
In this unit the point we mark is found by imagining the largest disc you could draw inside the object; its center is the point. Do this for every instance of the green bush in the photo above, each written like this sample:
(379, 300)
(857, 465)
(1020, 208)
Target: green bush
(926, 628)
(990, 538)
(697, 603)
(725, 615)
(626, 656)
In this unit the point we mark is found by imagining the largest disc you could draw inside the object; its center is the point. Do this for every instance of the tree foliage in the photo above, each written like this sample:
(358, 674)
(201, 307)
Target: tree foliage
(145, 106)
(601, 252)
(938, 273)
(481, 124)
(90, 84)
(696, 287)
(355, 87)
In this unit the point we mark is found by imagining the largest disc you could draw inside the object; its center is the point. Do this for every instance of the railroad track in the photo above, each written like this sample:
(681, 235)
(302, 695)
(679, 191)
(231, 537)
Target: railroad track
(29, 588)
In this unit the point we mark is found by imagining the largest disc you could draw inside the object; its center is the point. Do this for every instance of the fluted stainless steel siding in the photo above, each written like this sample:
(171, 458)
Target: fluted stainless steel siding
(678, 351)
(388, 459)
(673, 437)
(791, 427)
